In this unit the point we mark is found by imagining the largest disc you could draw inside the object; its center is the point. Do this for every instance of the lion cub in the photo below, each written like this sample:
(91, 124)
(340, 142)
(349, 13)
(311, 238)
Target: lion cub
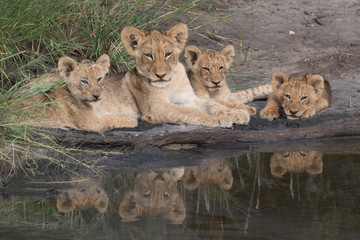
(296, 162)
(208, 73)
(298, 96)
(68, 97)
(85, 195)
(214, 172)
(155, 192)
(160, 86)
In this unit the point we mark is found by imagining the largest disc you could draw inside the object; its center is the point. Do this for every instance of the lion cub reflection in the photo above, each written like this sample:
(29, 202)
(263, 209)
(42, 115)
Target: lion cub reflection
(86, 195)
(154, 192)
(215, 172)
(296, 162)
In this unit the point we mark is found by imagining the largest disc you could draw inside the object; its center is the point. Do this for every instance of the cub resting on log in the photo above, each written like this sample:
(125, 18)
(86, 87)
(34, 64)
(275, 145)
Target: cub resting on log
(67, 99)
(160, 86)
(208, 78)
(298, 96)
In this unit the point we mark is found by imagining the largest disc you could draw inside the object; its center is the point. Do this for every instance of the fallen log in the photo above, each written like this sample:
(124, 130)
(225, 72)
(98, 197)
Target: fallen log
(259, 130)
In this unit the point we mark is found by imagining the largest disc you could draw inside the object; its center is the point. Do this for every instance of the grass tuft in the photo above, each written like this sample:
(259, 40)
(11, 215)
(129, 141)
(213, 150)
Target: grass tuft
(35, 34)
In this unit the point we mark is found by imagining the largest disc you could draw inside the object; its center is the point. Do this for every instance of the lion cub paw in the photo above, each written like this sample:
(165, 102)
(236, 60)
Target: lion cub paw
(309, 113)
(217, 121)
(269, 114)
(224, 122)
(251, 110)
(240, 116)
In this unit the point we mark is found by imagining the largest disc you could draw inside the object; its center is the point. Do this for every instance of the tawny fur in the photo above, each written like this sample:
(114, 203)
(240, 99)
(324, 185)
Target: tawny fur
(296, 162)
(160, 86)
(85, 195)
(298, 96)
(215, 172)
(80, 100)
(154, 193)
(208, 78)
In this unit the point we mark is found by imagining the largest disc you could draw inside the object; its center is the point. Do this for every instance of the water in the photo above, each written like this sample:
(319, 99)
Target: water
(283, 195)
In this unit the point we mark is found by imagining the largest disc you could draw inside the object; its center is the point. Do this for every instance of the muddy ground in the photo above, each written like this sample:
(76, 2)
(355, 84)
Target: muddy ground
(289, 36)
(326, 42)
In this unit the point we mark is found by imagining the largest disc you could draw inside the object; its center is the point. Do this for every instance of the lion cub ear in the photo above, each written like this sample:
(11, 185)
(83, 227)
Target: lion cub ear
(129, 209)
(316, 81)
(278, 79)
(65, 203)
(104, 60)
(131, 37)
(179, 33)
(191, 55)
(229, 53)
(65, 66)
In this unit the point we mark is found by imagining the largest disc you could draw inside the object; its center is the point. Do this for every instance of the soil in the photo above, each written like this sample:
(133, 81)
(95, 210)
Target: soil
(329, 46)
(292, 36)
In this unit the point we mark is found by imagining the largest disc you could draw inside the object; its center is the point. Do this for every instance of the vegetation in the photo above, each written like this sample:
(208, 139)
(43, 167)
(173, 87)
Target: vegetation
(34, 34)
(296, 206)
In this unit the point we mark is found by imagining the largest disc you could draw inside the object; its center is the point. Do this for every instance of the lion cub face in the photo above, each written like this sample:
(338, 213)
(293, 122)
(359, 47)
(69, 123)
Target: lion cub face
(84, 79)
(86, 195)
(215, 172)
(154, 192)
(298, 95)
(283, 162)
(156, 53)
(210, 66)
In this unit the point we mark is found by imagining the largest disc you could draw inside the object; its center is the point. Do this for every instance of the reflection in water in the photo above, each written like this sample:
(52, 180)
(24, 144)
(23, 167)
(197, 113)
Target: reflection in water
(85, 195)
(154, 192)
(296, 162)
(215, 172)
(246, 197)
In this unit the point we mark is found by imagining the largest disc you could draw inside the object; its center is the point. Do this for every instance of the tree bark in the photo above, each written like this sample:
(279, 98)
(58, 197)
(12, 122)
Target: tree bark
(259, 130)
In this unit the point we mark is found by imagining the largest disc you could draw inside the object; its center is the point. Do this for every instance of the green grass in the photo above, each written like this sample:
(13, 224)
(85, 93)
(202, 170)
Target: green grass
(35, 34)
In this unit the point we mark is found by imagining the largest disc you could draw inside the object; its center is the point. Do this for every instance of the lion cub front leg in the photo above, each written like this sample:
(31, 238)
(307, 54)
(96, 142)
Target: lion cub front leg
(170, 113)
(238, 116)
(271, 110)
(251, 110)
(114, 121)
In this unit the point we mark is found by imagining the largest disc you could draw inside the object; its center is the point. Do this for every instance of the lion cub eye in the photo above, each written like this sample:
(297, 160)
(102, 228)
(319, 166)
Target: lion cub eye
(286, 155)
(206, 69)
(149, 56)
(303, 154)
(287, 96)
(166, 195)
(221, 68)
(99, 79)
(168, 54)
(147, 194)
(85, 82)
(303, 98)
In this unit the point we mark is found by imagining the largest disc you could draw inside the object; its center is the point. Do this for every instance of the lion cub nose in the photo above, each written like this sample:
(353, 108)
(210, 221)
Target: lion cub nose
(96, 96)
(160, 76)
(215, 83)
(293, 112)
